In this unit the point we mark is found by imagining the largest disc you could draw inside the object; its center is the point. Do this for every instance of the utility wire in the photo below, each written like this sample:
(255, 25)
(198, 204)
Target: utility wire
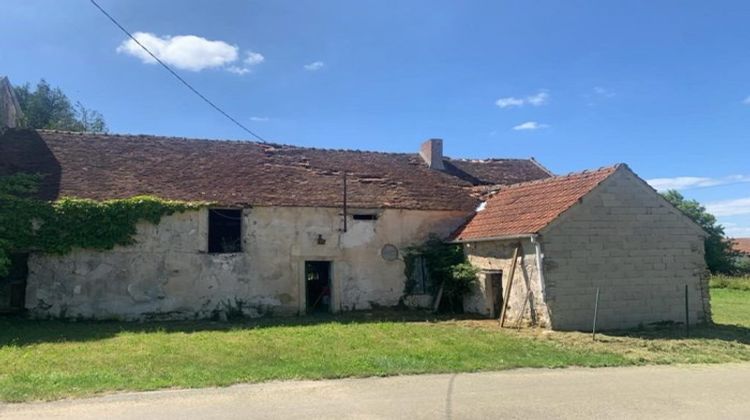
(169, 69)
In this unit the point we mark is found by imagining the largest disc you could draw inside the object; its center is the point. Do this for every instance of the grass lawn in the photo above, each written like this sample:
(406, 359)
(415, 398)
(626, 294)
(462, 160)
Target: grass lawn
(51, 359)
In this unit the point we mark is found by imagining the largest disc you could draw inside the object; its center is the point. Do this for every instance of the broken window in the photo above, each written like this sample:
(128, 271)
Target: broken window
(421, 276)
(224, 230)
(365, 216)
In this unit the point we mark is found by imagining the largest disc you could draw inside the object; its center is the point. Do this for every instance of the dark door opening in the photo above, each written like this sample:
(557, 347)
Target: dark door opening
(495, 281)
(13, 286)
(318, 286)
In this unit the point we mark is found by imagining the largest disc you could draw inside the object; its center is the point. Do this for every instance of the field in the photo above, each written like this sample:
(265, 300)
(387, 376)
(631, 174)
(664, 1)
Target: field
(53, 359)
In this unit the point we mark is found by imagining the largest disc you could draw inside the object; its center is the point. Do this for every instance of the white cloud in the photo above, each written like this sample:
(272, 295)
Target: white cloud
(185, 52)
(238, 70)
(259, 119)
(530, 125)
(734, 207)
(189, 52)
(253, 58)
(690, 182)
(746, 101)
(509, 102)
(604, 92)
(314, 66)
(538, 99)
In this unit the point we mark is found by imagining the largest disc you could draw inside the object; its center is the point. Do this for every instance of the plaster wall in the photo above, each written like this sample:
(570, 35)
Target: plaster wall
(526, 304)
(168, 273)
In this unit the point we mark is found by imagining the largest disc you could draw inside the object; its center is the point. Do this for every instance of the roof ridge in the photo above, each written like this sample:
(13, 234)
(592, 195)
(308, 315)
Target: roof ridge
(262, 144)
(217, 140)
(558, 177)
(484, 160)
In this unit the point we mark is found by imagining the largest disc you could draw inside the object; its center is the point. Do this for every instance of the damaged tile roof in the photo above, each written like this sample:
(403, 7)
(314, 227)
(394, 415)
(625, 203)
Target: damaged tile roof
(241, 173)
(528, 207)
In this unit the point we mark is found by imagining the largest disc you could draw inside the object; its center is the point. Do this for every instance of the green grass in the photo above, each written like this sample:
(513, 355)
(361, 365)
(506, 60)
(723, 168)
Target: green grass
(53, 359)
(731, 306)
(729, 282)
(47, 360)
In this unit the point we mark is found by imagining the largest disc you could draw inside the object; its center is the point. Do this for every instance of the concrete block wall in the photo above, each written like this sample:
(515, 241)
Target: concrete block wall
(492, 256)
(640, 252)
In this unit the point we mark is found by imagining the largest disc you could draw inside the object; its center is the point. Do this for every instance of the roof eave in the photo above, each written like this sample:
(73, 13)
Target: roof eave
(494, 238)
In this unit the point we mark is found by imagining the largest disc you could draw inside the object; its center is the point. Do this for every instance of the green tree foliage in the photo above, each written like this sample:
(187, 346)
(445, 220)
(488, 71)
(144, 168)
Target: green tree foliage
(720, 256)
(29, 224)
(49, 108)
(446, 265)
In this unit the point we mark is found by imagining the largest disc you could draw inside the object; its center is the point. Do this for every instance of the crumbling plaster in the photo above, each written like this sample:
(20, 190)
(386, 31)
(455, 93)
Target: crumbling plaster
(169, 274)
(526, 303)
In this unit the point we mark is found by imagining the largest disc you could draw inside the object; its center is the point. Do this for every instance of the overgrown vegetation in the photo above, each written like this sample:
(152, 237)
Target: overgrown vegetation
(446, 266)
(50, 108)
(29, 224)
(720, 254)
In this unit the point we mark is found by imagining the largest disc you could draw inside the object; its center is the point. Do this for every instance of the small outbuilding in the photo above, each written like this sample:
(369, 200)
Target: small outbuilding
(572, 235)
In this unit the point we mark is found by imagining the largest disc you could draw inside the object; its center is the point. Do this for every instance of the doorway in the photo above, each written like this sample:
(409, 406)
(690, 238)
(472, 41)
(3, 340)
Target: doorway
(494, 280)
(13, 286)
(318, 286)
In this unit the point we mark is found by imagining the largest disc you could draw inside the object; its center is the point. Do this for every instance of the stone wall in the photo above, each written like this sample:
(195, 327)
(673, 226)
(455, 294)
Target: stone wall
(639, 250)
(169, 273)
(526, 301)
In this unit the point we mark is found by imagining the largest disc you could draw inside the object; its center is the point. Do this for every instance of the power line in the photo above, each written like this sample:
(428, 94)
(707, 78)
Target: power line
(169, 69)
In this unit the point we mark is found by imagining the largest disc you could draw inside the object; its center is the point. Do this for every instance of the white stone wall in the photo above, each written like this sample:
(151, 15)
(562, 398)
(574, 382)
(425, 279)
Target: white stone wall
(169, 274)
(640, 251)
(526, 301)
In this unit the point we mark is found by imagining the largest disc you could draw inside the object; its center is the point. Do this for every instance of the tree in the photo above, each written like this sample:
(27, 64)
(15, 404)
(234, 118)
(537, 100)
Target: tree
(720, 255)
(49, 108)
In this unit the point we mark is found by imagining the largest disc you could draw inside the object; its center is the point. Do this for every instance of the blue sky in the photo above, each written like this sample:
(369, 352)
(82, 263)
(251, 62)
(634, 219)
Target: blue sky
(663, 86)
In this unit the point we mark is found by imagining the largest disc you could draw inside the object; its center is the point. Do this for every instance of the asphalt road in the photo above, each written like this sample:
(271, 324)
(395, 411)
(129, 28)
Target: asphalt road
(719, 391)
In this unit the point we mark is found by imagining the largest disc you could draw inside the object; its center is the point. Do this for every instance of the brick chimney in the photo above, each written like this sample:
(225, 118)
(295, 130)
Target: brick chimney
(432, 153)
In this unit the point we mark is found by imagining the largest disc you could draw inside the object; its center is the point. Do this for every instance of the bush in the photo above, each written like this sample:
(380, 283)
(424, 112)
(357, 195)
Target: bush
(447, 266)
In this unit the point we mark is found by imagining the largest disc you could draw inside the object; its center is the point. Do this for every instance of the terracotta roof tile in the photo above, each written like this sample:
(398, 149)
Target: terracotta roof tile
(101, 166)
(528, 207)
(742, 245)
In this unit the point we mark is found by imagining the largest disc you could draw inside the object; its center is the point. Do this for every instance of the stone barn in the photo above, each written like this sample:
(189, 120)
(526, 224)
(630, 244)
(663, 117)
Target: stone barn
(289, 230)
(604, 229)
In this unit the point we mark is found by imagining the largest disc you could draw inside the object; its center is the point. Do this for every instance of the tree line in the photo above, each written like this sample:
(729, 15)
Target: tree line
(47, 107)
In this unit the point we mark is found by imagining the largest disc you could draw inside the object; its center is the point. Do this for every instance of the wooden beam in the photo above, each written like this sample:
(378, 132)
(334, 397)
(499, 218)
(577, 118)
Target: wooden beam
(436, 304)
(510, 283)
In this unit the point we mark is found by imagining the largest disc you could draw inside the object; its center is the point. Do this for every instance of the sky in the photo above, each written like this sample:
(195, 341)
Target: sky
(662, 86)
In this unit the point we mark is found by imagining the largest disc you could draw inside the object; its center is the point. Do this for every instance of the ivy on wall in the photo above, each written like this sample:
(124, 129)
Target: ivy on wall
(446, 265)
(29, 224)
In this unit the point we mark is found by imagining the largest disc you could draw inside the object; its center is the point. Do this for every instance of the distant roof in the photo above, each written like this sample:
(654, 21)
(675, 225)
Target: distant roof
(528, 207)
(742, 245)
(102, 166)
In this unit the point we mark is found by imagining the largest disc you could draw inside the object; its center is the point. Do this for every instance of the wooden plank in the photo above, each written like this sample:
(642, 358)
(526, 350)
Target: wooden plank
(510, 283)
(523, 310)
(439, 296)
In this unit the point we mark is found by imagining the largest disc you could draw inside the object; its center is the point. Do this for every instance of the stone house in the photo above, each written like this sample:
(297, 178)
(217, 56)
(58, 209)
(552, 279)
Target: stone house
(604, 229)
(293, 230)
(286, 232)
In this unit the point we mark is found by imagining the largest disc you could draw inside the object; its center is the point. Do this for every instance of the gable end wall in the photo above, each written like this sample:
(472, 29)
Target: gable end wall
(639, 250)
